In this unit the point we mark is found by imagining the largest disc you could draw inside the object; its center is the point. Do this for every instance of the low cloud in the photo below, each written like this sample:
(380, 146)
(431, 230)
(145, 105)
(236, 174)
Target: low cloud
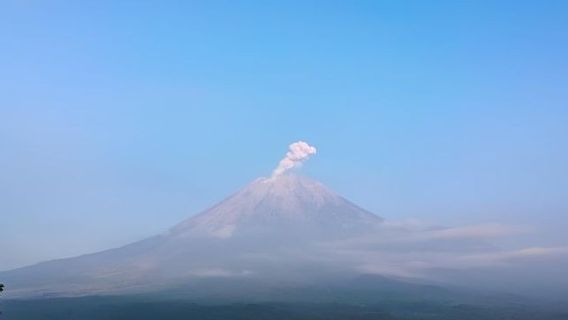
(482, 231)
(511, 256)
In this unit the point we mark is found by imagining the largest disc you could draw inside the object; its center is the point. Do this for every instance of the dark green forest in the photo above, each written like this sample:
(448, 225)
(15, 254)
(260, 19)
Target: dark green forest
(125, 308)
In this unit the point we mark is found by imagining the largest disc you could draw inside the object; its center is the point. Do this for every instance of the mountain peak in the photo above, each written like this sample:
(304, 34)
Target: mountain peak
(284, 202)
(291, 187)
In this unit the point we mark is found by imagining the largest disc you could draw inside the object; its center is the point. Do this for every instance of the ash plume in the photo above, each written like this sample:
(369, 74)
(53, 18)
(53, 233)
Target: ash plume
(298, 152)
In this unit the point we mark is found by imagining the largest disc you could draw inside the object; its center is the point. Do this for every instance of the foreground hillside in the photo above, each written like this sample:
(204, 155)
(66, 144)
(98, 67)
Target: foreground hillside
(367, 297)
(131, 308)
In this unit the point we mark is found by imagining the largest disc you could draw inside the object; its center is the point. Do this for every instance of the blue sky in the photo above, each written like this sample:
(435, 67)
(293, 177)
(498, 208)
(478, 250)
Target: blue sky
(119, 119)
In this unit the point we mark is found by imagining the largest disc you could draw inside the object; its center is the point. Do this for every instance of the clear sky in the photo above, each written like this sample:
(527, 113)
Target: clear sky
(118, 119)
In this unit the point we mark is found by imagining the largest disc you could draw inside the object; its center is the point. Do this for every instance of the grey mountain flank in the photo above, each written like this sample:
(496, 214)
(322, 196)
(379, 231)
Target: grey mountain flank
(264, 231)
(272, 204)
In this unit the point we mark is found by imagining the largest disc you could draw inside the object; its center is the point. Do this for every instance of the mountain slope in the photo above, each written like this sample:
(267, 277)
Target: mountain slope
(276, 203)
(264, 231)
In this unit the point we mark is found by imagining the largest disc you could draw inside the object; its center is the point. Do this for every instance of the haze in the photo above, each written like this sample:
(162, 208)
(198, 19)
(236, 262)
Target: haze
(119, 120)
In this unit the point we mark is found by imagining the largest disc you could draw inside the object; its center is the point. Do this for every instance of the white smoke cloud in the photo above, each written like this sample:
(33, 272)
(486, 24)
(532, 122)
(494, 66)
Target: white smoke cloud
(298, 152)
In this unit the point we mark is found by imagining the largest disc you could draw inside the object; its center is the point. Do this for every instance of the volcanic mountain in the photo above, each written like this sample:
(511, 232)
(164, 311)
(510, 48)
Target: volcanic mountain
(286, 203)
(266, 230)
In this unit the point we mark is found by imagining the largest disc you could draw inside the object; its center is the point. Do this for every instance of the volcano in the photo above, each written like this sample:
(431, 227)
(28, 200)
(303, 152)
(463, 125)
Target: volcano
(266, 230)
(286, 204)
